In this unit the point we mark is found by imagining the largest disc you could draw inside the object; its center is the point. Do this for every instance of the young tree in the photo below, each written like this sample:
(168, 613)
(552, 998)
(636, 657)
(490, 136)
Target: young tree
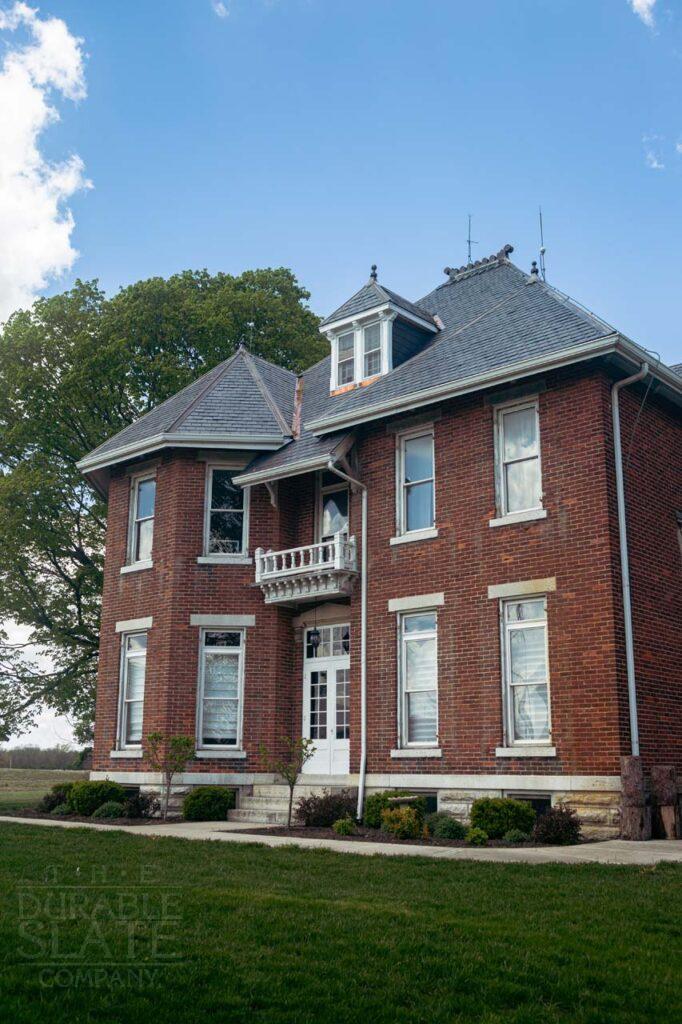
(168, 755)
(75, 369)
(289, 768)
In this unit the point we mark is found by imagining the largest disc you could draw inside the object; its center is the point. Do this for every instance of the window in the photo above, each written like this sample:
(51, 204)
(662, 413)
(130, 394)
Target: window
(345, 373)
(226, 519)
(371, 346)
(334, 642)
(142, 499)
(518, 458)
(419, 679)
(524, 642)
(415, 482)
(333, 514)
(220, 688)
(133, 670)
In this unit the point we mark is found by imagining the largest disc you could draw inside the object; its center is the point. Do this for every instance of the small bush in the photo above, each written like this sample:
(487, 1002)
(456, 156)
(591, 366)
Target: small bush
(111, 809)
(444, 826)
(59, 794)
(497, 815)
(402, 822)
(85, 797)
(322, 809)
(140, 805)
(515, 836)
(477, 837)
(344, 826)
(559, 826)
(378, 802)
(208, 803)
(60, 810)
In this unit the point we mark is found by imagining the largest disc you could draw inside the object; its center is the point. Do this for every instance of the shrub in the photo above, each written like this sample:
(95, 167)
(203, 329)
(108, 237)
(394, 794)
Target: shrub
(402, 822)
(140, 805)
(59, 794)
(60, 810)
(559, 826)
(208, 803)
(515, 836)
(477, 837)
(322, 809)
(378, 802)
(444, 826)
(344, 826)
(497, 815)
(111, 809)
(85, 797)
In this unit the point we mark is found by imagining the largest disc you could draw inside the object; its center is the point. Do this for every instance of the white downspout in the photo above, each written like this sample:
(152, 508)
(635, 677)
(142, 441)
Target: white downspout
(363, 634)
(624, 558)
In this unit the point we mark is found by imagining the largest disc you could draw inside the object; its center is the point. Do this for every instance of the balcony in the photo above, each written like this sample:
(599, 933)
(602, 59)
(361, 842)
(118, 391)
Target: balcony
(327, 569)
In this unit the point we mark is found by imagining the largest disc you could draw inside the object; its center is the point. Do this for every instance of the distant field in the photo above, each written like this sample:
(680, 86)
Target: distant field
(23, 787)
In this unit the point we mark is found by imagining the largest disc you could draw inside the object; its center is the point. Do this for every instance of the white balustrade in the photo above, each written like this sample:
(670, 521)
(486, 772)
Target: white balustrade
(337, 554)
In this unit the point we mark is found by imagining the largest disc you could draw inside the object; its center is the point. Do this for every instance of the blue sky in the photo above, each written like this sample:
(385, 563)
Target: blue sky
(327, 135)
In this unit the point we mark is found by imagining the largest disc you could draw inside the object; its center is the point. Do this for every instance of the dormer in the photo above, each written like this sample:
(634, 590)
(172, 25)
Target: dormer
(373, 332)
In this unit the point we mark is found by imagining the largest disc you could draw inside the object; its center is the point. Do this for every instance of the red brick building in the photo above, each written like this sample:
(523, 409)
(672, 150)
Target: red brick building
(411, 554)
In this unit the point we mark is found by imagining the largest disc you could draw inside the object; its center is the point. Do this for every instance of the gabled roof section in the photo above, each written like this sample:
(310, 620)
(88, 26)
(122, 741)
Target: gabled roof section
(371, 296)
(243, 402)
(677, 367)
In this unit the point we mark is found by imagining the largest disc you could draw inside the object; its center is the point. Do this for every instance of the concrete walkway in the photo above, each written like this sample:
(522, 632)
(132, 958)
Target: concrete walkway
(614, 851)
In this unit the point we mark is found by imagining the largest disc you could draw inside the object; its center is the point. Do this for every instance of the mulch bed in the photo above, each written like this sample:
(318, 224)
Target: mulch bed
(367, 835)
(30, 812)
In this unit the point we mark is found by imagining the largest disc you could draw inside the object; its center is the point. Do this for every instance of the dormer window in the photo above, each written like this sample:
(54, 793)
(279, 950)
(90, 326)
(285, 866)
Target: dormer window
(361, 352)
(371, 344)
(346, 358)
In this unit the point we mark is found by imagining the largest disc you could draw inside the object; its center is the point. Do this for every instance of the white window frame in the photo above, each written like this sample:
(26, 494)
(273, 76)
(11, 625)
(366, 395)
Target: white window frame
(401, 486)
(364, 353)
(403, 742)
(342, 334)
(357, 328)
(507, 703)
(125, 657)
(135, 481)
(501, 410)
(219, 556)
(229, 652)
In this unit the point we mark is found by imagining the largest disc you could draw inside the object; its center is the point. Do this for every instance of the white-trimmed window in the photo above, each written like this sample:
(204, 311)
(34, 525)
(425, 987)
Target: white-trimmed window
(517, 434)
(221, 685)
(345, 365)
(416, 481)
(525, 669)
(141, 528)
(131, 705)
(418, 678)
(226, 526)
(371, 350)
(333, 507)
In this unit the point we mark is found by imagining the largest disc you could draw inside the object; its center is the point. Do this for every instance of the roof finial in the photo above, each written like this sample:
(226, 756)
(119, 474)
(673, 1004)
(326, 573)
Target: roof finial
(534, 268)
(373, 275)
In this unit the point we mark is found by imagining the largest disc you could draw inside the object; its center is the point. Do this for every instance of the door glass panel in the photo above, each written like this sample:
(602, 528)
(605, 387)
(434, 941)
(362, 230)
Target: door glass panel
(334, 514)
(318, 705)
(342, 704)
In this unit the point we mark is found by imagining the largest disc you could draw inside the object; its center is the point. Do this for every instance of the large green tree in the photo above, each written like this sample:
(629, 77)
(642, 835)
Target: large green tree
(74, 369)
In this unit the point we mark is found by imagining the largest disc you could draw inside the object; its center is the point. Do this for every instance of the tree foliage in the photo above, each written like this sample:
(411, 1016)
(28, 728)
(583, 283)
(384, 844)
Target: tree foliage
(75, 369)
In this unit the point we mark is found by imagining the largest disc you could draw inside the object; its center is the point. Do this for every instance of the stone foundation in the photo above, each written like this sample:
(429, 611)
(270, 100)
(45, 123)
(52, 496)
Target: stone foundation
(599, 812)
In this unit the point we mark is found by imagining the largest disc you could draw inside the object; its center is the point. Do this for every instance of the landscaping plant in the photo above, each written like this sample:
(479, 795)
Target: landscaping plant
(168, 755)
(497, 815)
(404, 822)
(377, 802)
(141, 805)
(344, 826)
(60, 810)
(320, 810)
(111, 809)
(59, 794)
(515, 836)
(559, 826)
(208, 803)
(85, 797)
(299, 752)
(477, 837)
(443, 826)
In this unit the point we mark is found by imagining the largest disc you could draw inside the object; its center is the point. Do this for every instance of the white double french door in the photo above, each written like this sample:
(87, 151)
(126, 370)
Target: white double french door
(326, 715)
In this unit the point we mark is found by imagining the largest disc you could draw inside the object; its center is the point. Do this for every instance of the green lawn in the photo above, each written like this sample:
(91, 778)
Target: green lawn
(248, 933)
(23, 787)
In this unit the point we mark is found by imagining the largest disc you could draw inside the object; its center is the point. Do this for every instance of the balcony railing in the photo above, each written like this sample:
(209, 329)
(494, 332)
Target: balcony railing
(326, 569)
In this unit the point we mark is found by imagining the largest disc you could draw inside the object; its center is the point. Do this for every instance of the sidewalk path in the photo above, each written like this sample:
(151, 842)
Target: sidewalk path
(614, 851)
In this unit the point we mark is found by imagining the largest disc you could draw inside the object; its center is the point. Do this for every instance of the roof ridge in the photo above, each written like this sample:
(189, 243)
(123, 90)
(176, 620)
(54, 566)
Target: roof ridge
(222, 367)
(264, 390)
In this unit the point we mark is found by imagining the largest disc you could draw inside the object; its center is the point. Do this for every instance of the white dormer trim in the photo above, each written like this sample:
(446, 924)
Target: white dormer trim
(384, 317)
(338, 326)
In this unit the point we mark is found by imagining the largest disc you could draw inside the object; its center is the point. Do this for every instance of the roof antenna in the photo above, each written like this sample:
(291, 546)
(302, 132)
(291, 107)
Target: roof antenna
(373, 275)
(542, 246)
(470, 242)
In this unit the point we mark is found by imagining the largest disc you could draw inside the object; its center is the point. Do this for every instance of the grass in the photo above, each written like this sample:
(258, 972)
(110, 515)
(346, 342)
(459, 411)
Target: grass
(23, 787)
(287, 935)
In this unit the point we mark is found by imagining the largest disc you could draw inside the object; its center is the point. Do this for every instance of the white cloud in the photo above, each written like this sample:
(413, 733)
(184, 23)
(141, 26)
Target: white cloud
(220, 8)
(678, 148)
(35, 223)
(653, 156)
(644, 9)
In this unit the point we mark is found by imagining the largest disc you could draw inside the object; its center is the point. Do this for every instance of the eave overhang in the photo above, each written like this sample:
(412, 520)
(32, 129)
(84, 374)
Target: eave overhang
(310, 465)
(253, 442)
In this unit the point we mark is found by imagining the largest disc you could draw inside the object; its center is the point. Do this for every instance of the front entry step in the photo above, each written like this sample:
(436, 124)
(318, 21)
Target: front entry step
(268, 804)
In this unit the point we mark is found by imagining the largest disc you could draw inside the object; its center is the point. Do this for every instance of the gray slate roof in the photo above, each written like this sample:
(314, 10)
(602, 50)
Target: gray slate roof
(242, 396)
(677, 367)
(369, 297)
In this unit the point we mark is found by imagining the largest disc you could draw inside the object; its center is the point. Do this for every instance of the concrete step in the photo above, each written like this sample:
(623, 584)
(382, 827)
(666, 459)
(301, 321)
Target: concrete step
(302, 789)
(254, 802)
(260, 816)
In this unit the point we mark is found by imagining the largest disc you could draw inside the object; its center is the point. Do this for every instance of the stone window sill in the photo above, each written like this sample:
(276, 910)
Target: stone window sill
(406, 752)
(520, 517)
(228, 754)
(126, 753)
(410, 538)
(539, 750)
(225, 560)
(136, 567)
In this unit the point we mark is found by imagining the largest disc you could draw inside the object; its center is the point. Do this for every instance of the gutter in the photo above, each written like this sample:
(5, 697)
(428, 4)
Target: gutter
(624, 557)
(331, 466)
